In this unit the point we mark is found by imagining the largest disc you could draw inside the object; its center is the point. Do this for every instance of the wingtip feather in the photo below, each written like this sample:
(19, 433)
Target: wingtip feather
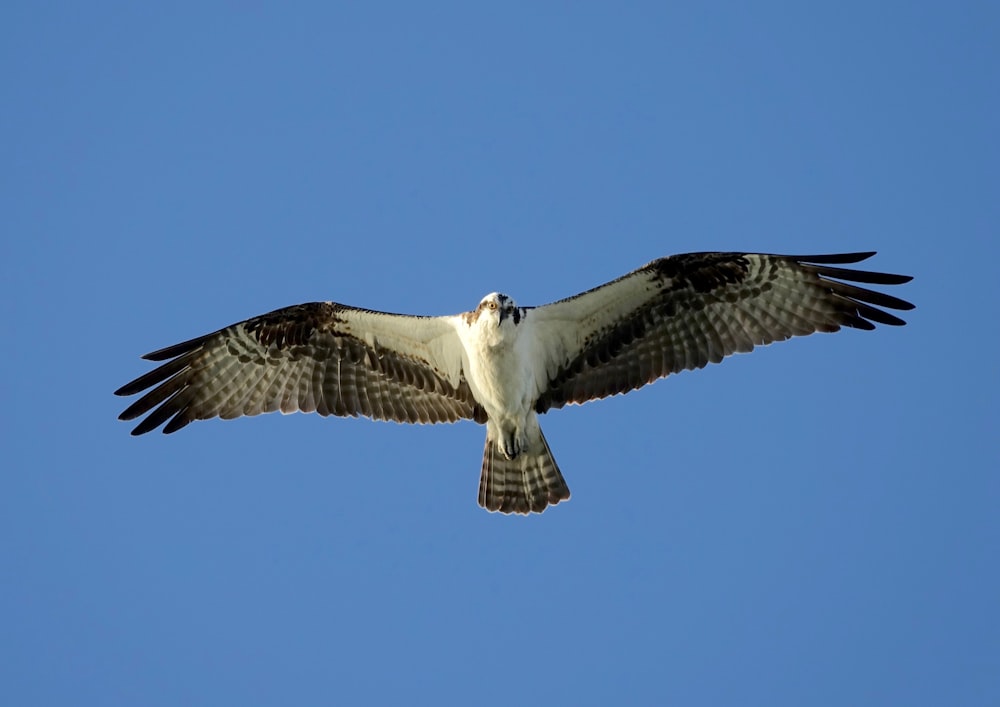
(834, 258)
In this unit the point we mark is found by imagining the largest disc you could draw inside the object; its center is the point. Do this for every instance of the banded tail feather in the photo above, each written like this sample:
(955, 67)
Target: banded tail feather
(528, 483)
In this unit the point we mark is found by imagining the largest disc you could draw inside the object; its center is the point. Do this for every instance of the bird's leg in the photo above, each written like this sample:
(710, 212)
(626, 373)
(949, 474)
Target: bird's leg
(512, 442)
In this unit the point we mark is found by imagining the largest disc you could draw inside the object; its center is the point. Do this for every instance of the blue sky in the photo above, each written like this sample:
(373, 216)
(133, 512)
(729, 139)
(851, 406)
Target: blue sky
(815, 523)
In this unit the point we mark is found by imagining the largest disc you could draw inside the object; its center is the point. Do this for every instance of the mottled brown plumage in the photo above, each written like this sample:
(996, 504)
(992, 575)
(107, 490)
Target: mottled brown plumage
(502, 365)
(711, 305)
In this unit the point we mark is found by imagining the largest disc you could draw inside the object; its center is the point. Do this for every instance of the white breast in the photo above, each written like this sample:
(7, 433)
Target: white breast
(501, 370)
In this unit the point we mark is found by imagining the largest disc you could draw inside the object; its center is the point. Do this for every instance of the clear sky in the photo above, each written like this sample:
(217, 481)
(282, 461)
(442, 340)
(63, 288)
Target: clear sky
(813, 524)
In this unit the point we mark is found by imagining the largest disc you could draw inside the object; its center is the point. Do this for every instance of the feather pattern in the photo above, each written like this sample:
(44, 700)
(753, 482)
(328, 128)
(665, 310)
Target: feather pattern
(686, 311)
(307, 358)
(528, 483)
(503, 365)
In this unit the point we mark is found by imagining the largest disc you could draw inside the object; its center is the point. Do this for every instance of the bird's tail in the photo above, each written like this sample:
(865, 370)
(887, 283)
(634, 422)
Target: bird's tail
(525, 484)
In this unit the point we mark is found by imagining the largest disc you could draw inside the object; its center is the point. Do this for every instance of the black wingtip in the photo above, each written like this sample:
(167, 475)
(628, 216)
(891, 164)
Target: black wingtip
(177, 349)
(904, 305)
(891, 279)
(835, 258)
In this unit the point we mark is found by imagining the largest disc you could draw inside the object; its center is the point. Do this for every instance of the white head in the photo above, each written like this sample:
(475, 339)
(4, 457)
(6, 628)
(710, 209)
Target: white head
(496, 308)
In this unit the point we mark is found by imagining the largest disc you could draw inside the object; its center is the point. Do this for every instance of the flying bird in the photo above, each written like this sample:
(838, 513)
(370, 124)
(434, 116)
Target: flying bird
(503, 365)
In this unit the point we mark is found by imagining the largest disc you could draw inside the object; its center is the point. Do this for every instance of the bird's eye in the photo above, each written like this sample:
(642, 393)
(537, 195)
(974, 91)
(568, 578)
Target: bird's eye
(492, 305)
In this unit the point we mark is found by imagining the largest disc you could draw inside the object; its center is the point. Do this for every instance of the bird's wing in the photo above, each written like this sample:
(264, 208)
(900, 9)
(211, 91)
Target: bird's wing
(319, 357)
(685, 311)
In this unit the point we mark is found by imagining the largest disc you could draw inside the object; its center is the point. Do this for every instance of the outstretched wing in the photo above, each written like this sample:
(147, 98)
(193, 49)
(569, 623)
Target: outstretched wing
(685, 311)
(320, 357)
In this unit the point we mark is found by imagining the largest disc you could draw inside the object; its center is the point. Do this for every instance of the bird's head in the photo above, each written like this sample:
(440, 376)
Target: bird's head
(496, 308)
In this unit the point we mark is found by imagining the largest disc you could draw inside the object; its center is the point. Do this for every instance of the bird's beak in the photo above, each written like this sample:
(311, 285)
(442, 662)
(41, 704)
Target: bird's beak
(503, 315)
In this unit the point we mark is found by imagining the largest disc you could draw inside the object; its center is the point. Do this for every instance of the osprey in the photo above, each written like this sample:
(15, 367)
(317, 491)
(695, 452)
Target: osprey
(503, 365)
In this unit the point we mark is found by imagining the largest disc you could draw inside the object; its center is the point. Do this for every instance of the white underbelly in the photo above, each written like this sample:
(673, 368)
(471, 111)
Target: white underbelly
(504, 385)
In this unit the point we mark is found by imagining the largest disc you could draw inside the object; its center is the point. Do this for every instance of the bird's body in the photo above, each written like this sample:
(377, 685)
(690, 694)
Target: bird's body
(501, 368)
(505, 368)
(504, 365)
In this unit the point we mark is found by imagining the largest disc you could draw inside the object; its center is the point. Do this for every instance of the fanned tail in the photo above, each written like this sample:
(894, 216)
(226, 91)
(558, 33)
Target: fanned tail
(526, 484)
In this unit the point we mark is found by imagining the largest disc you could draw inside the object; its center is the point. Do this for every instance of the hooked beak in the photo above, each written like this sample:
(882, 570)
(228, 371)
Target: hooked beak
(503, 315)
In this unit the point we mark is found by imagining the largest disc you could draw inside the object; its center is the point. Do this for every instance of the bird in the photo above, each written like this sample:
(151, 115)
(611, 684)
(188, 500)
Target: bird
(504, 365)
